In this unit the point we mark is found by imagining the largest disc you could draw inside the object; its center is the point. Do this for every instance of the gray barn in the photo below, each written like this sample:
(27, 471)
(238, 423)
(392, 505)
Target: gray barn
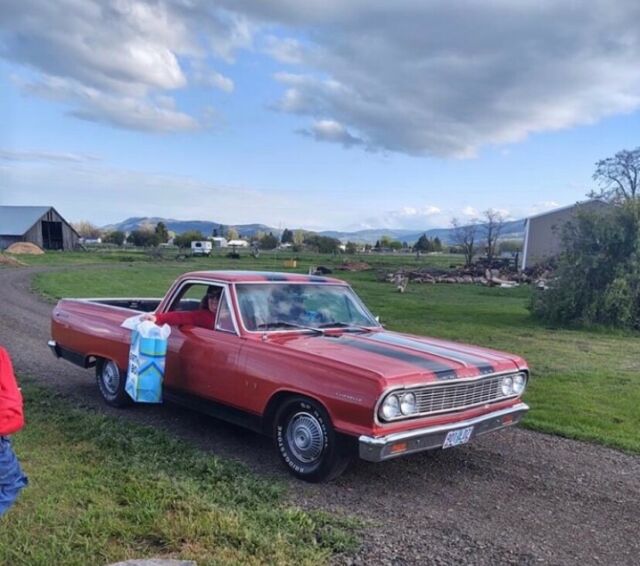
(40, 225)
(543, 232)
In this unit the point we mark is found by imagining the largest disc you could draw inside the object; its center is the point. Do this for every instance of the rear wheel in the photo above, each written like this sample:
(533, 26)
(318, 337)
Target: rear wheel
(306, 441)
(111, 382)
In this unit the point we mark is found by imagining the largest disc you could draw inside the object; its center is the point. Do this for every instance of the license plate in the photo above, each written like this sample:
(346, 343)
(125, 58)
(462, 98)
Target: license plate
(457, 437)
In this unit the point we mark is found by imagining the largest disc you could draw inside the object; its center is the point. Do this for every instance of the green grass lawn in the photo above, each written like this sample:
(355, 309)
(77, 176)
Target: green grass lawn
(103, 490)
(585, 383)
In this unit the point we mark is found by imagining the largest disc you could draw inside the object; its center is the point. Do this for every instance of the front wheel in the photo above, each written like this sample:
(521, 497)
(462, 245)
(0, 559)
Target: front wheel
(111, 382)
(307, 442)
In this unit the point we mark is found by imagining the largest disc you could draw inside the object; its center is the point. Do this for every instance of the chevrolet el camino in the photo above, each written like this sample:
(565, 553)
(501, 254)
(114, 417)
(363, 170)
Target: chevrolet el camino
(300, 358)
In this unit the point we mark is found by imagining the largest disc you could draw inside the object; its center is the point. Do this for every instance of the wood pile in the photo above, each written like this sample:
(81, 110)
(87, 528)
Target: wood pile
(461, 275)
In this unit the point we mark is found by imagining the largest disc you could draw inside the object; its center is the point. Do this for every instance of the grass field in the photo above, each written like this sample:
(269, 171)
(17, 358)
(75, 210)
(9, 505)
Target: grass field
(104, 490)
(585, 383)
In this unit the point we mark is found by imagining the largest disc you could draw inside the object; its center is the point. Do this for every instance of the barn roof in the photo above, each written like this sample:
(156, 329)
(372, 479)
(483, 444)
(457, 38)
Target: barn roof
(17, 220)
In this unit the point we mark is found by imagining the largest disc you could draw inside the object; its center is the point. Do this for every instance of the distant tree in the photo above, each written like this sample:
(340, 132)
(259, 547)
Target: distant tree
(618, 176)
(510, 246)
(87, 230)
(298, 239)
(351, 248)
(322, 244)
(464, 237)
(493, 226)
(184, 240)
(377, 247)
(162, 232)
(214, 232)
(232, 233)
(143, 238)
(287, 236)
(387, 242)
(423, 244)
(268, 241)
(437, 244)
(116, 237)
(222, 230)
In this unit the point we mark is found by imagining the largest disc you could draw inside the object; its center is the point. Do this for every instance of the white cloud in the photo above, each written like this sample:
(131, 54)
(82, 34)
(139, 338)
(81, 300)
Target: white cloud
(113, 61)
(331, 131)
(45, 156)
(470, 212)
(285, 50)
(446, 78)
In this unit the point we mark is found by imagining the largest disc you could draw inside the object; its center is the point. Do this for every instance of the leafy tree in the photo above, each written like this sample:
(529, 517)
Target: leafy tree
(268, 241)
(116, 237)
(184, 240)
(598, 274)
(351, 248)
(322, 244)
(162, 232)
(617, 176)
(143, 238)
(437, 244)
(287, 236)
(377, 247)
(423, 244)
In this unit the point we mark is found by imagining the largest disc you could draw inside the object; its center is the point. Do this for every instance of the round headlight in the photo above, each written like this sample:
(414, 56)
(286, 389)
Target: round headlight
(408, 404)
(519, 383)
(390, 408)
(507, 385)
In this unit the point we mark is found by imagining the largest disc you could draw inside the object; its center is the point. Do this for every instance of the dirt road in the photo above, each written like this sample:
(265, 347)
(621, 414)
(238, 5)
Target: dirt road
(513, 497)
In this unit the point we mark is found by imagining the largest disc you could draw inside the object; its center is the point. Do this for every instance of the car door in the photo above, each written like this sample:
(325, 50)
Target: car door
(209, 359)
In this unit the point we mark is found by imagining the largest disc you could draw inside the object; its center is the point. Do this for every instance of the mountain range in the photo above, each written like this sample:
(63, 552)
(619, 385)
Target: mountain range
(513, 229)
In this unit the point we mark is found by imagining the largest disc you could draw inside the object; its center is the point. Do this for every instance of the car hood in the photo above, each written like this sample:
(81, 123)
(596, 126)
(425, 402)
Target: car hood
(405, 358)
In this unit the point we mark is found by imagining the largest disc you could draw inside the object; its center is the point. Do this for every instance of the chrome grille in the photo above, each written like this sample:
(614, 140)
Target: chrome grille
(457, 396)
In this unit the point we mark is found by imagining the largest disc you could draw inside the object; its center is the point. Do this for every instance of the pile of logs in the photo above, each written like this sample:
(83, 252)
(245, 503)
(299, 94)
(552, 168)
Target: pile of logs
(474, 274)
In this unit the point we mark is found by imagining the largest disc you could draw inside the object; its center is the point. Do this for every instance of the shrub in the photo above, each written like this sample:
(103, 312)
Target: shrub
(598, 275)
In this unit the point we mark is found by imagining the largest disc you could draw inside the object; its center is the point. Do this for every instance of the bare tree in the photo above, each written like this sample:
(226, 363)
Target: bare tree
(617, 176)
(86, 229)
(465, 237)
(493, 226)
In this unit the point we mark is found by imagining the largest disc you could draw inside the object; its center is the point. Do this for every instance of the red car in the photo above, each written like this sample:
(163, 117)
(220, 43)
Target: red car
(302, 359)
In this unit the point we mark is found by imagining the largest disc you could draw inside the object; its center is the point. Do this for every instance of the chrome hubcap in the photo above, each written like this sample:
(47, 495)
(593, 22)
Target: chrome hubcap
(305, 437)
(111, 378)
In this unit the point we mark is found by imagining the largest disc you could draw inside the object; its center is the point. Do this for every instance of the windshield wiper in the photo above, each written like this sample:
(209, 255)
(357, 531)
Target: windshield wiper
(284, 324)
(345, 326)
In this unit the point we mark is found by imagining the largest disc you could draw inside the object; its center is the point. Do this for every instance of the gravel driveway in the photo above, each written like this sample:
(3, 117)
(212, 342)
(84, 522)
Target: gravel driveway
(515, 497)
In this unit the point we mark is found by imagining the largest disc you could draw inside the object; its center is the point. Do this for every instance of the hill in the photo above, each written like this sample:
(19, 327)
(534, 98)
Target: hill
(181, 226)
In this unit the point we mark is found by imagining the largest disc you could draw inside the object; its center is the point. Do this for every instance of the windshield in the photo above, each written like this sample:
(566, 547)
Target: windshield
(289, 306)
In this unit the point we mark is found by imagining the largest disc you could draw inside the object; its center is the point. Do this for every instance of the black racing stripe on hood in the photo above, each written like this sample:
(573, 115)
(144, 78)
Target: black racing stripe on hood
(441, 370)
(481, 365)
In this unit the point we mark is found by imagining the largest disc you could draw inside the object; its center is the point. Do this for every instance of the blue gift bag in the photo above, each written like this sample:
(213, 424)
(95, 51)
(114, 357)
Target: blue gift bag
(146, 367)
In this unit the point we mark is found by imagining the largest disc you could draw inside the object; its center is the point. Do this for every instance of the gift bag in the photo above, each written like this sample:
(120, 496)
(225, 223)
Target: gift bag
(146, 362)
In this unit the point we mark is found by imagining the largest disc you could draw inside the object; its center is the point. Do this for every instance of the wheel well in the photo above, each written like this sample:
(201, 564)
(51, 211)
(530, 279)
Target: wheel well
(275, 401)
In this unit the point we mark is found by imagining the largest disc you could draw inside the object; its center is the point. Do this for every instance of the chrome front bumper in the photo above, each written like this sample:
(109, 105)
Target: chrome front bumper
(53, 346)
(377, 449)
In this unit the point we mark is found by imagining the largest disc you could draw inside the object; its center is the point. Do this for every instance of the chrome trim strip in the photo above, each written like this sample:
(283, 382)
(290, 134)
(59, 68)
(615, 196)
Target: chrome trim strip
(371, 447)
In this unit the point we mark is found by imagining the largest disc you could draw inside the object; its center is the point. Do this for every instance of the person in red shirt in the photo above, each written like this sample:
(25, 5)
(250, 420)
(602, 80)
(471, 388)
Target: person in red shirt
(12, 479)
(205, 316)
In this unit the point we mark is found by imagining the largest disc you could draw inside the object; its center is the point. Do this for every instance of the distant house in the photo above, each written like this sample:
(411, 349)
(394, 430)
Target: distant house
(219, 241)
(40, 225)
(237, 244)
(543, 232)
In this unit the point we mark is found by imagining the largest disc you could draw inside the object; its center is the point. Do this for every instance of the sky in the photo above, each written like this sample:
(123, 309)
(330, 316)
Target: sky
(322, 114)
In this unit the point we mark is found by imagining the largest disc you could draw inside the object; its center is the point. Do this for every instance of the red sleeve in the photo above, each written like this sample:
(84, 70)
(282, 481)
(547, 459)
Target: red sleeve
(11, 415)
(204, 318)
